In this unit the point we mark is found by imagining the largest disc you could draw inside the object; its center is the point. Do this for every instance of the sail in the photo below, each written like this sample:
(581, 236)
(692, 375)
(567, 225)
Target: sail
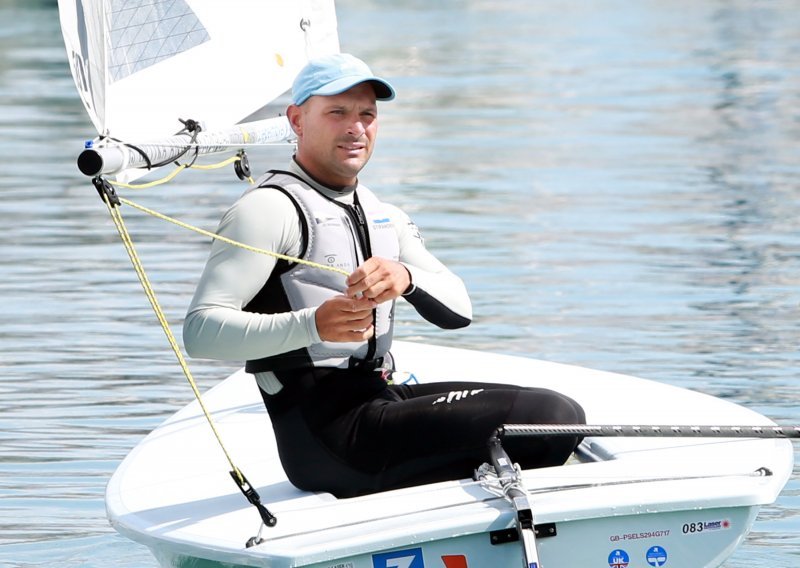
(142, 65)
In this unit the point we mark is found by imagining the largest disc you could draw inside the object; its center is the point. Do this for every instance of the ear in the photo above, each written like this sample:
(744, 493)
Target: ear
(294, 114)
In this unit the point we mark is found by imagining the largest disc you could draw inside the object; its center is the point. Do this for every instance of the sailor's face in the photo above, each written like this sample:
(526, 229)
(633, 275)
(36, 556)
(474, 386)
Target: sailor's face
(336, 134)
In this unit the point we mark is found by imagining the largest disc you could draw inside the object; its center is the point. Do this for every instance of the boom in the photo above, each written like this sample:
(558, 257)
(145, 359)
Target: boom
(112, 157)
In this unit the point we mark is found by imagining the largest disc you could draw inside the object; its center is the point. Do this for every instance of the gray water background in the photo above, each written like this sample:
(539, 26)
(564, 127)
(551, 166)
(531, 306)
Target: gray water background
(617, 183)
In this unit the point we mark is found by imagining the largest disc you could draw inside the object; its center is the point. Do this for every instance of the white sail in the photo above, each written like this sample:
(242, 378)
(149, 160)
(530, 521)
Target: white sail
(141, 65)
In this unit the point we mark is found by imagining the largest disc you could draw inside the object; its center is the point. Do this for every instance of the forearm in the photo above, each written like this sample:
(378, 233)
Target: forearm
(437, 294)
(224, 333)
(440, 297)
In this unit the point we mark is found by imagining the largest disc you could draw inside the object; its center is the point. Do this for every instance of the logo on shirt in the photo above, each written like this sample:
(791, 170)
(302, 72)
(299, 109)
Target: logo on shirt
(324, 219)
(334, 262)
(383, 223)
(415, 231)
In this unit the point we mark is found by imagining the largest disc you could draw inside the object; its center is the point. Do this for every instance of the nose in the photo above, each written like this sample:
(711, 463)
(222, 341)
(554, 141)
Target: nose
(356, 128)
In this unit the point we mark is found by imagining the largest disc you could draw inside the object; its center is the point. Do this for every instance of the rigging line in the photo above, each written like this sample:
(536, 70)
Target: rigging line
(218, 165)
(231, 241)
(112, 201)
(119, 223)
(178, 170)
(195, 131)
(120, 143)
(154, 183)
(192, 129)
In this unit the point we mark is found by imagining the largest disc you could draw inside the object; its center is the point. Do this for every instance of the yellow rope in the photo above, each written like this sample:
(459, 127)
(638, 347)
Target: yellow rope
(216, 166)
(178, 170)
(116, 216)
(231, 241)
(154, 183)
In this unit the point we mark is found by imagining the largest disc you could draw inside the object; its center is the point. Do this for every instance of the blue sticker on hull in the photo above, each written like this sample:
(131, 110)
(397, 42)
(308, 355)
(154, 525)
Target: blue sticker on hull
(409, 558)
(656, 556)
(618, 559)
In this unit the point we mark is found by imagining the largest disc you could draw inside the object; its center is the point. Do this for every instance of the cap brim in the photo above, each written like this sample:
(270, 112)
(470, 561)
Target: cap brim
(383, 90)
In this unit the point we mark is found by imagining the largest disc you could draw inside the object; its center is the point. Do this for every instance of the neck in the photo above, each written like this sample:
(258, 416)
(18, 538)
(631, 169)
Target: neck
(337, 188)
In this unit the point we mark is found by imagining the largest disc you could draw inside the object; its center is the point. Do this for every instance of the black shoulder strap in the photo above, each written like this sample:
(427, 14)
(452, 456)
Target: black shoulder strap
(282, 265)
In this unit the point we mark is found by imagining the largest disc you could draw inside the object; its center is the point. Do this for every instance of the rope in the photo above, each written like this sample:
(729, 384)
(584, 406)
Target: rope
(178, 170)
(110, 198)
(119, 223)
(231, 241)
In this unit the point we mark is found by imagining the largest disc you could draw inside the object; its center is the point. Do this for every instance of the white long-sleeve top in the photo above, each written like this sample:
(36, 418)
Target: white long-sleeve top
(216, 327)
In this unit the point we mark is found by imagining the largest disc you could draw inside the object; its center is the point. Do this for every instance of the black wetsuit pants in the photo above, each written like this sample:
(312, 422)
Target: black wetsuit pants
(350, 433)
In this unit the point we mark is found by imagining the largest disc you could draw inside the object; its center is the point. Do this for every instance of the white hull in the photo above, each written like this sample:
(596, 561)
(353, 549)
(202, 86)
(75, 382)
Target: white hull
(631, 502)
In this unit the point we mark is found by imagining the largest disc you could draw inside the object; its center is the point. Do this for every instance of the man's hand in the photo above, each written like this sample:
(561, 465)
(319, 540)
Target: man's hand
(378, 279)
(344, 319)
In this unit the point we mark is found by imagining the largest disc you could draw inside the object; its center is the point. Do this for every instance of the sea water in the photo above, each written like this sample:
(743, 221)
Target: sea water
(616, 182)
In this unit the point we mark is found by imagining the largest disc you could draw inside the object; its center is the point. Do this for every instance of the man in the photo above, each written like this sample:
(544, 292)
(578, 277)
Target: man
(318, 342)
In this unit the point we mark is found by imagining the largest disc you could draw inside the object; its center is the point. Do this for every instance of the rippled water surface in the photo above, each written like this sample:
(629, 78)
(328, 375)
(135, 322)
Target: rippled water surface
(617, 182)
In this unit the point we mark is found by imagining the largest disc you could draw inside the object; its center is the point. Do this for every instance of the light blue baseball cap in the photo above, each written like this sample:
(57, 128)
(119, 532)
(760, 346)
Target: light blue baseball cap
(334, 74)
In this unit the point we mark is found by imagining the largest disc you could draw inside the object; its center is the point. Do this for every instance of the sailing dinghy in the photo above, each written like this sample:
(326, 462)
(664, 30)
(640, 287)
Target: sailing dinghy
(625, 501)
(632, 497)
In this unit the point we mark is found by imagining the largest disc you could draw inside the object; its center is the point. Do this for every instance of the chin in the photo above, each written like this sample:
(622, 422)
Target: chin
(351, 168)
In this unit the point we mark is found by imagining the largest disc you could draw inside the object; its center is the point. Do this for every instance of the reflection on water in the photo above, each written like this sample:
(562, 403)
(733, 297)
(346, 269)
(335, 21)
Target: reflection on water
(616, 182)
